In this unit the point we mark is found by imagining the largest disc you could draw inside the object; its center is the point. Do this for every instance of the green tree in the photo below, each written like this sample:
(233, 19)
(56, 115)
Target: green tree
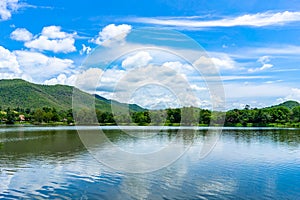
(141, 118)
(233, 117)
(295, 115)
(38, 115)
(174, 115)
(47, 116)
(55, 116)
(205, 116)
(280, 114)
(10, 116)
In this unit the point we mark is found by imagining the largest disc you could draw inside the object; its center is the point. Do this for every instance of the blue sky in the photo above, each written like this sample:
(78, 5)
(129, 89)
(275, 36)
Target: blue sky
(254, 45)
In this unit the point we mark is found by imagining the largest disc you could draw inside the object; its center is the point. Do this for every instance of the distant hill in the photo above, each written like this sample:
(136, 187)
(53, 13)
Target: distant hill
(289, 104)
(132, 107)
(19, 93)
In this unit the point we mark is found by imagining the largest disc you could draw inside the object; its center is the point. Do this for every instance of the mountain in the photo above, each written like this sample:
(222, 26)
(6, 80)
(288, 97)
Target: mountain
(132, 107)
(289, 104)
(19, 93)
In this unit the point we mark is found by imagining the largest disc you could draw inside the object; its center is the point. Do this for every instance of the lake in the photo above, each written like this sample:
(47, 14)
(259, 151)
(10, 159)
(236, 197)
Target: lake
(52, 162)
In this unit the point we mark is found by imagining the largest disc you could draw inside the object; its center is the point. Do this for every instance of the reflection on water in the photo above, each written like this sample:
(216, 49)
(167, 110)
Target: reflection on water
(245, 164)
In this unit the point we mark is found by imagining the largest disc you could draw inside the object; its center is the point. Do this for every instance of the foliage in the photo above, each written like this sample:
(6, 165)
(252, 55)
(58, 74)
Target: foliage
(288, 104)
(272, 116)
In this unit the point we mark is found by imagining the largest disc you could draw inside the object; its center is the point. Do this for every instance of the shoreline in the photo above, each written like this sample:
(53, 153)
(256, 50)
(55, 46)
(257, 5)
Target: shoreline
(132, 126)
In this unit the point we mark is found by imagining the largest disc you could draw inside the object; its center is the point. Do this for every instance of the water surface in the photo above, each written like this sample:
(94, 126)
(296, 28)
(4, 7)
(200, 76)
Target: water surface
(47, 162)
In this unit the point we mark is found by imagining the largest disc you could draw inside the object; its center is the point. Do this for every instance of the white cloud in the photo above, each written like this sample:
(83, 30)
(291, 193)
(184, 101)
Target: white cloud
(184, 69)
(224, 62)
(43, 43)
(151, 86)
(265, 65)
(110, 78)
(264, 59)
(111, 34)
(88, 80)
(294, 94)
(21, 34)
(155, 97)
(171, 72)
(212, 65)
(61, 79)
(85, 49)
(197, 88)
(40, 67)
(54, 32)
(132, 86)
(258, 19)
(32, 66)
(7, 7)
(140, 59)
(53, 39)
(9, 66)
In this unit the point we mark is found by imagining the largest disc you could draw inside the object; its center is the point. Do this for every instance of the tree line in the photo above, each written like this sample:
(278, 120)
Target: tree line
(272, 116)
(35, 116)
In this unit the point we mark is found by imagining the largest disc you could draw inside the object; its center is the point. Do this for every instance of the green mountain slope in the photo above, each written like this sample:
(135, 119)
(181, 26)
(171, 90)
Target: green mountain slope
(289, 104)
(19, 93)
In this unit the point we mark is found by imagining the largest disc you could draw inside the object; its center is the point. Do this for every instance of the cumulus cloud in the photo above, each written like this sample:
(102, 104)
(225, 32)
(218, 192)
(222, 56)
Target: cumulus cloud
(184, 69)
(7, 7)
(85, 50)
(8, 63)
(61, 79)
(88, 80)
(170, 80)
(140, 59)
(53, 39)
(198, 88)
(294, 94)
(112, 34)
(264, 60)
(212, 65)
(224, 62)
(43, 43)
(258, 19)
(32, 66)
(132, 86)
(151, 86)
(21, 34)
(40, 66)
(155, 97)
(54, 32)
